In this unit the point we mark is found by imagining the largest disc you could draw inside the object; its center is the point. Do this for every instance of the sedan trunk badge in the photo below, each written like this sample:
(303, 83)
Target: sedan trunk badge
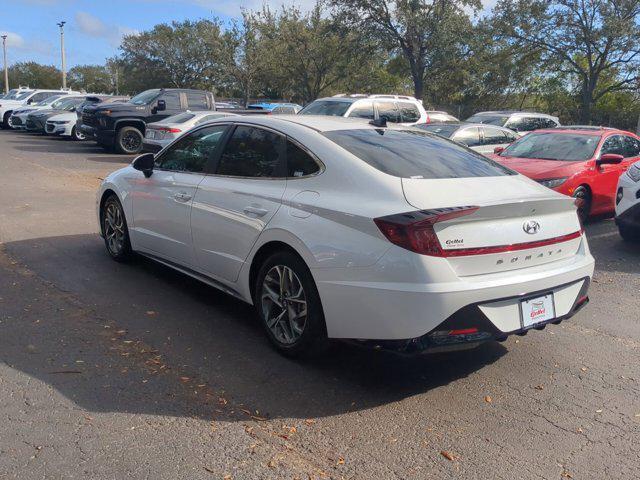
(531, 227)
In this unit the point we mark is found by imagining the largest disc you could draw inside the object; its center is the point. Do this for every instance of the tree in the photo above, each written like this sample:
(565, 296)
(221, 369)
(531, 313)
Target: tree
(420, 30)
(35, 75)
(582, 39)
(90, 78)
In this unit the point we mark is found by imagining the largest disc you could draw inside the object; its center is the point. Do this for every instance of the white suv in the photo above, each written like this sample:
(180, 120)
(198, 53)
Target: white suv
(399, 109)
(25, 97)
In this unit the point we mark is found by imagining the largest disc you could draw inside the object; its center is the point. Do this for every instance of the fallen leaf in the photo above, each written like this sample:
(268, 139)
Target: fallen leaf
(598, 411)
(448, 455)
(151, 313)
(184, 379)
(271, 464)
(340, 461)
(584, 369)
(309, 421)
(209, 470)
(566, 474)
(488, 399)
(539, 387)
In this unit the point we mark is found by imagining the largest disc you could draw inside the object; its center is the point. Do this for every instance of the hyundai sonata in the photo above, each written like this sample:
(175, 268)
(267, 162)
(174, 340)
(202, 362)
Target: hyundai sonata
(337, 228)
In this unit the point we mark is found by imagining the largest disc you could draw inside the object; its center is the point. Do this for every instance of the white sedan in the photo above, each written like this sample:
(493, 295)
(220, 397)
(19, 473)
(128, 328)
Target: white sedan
(160, 134)
(628, 204)
(336, 228)
(64, 125)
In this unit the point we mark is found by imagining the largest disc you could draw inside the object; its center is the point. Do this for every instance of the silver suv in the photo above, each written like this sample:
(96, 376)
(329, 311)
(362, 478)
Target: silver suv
(521, 122)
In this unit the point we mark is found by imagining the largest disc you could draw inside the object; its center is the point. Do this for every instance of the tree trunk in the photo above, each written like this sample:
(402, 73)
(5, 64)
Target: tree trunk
(587, 102)
(418, 84)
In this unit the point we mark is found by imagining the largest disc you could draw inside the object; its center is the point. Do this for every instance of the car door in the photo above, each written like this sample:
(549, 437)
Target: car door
(388, 110)
(361, 109)
(491, 138)
(172, 103)
(234, 205)
(606, 179)
(162, 203)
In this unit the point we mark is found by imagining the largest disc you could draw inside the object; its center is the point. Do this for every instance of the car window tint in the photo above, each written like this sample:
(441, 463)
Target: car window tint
(252, 152)
(408, 112)
(362, 110)
(412, 153)
(389, 111)
(197, 101)
(332, 108)
(632, 147)
(548, 123)
(614, 144)
(468, 136)
(172, 99)
(498, 120)
(509, 136)
(192, 152)
(299, 162)
(493, 136)
(443, 130)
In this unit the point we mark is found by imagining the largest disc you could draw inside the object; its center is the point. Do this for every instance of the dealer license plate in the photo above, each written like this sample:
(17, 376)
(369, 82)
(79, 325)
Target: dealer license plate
(536, 310)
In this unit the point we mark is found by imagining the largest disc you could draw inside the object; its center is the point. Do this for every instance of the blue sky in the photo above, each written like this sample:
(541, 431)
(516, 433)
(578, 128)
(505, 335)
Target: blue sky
(94, 27)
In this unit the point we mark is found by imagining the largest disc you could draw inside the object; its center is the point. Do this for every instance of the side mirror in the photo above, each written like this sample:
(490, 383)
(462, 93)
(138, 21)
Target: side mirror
(30, 101)
(145, 163)
(498, 150)
(609, 159)
(162, 105)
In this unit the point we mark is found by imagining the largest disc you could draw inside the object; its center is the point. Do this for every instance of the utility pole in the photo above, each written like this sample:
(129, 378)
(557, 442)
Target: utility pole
(64, 66)
(6, 67)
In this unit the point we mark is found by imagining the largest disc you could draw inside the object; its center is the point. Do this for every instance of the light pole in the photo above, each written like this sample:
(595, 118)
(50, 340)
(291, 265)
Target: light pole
(64, 67)
(6, 67)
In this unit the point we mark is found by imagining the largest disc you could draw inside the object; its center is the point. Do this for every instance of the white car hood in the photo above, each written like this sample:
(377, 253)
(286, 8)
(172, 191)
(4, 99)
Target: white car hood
(63, 116)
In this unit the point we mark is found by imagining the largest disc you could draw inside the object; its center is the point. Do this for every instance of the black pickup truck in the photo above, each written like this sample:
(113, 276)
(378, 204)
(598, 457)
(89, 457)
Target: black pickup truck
(121, 126)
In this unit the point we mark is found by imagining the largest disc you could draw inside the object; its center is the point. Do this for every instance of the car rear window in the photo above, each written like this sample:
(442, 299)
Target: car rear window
(326, 107)
(179, 118)
(415, 154)
(554, 146)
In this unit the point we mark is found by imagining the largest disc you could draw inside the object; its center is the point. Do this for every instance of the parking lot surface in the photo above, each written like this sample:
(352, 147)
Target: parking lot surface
(114, 370)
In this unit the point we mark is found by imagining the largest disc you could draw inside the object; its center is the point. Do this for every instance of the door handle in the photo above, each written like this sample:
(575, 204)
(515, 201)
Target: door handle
(257, 211)
(182, 197)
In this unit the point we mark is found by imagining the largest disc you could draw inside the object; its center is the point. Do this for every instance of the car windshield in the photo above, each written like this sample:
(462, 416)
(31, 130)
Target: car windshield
(445, 131)
(554, 146)
(333, 108)
(21, 95)
(47, 101)
(415, 154)
(145, 97)
(499, 120)
(179, 118)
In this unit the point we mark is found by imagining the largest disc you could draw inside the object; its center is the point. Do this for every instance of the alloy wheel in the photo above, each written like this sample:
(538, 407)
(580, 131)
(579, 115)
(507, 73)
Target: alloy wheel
(284, 304)
(114, 228)
(131, 141)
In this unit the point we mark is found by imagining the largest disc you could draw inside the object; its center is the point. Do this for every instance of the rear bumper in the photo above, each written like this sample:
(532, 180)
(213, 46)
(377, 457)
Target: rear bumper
(362, 308)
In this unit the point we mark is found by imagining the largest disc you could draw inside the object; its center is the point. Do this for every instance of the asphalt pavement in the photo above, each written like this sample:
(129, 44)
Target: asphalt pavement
(114, 371)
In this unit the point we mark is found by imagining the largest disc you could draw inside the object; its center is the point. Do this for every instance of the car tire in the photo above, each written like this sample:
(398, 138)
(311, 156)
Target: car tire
(77, 135)
(5, 121)
(115, 231)
(583, 194)
(628, 234)
(129, 140)
(280, 303)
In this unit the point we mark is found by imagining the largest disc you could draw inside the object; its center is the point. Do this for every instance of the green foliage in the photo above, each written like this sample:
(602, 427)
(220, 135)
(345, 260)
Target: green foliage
(90, 78)
(34, 75)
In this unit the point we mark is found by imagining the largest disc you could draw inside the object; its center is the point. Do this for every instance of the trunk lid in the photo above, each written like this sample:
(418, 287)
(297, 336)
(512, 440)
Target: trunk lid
(518, 223)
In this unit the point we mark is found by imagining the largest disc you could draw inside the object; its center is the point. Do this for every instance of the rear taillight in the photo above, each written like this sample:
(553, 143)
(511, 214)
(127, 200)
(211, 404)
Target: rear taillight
(414, 230)
(169, 130)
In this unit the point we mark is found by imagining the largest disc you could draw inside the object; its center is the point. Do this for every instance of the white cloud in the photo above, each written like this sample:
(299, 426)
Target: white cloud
(14, 40)
(92, 26)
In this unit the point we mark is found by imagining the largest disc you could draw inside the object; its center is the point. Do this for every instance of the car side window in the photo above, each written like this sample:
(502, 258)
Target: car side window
(492, 136)
(299, 162)
(409, 112)
(196, 101)
(547, 123)
(207, 118)
(614, 144)
(172, 99)
(632, 147)
(510, 137)
(468, 136)
(253, 152)
(362, 110)
(38, 97)
(192, 152)
(389, 111)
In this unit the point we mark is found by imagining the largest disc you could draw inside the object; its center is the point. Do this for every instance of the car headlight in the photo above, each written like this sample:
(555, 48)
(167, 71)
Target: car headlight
(552, 182)
(634, 172)
(60, 122)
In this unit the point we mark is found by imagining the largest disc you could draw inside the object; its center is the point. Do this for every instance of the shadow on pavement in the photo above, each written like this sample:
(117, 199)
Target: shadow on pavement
(141, 338)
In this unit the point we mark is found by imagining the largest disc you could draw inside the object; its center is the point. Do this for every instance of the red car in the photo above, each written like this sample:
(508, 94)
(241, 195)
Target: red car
(582, 162)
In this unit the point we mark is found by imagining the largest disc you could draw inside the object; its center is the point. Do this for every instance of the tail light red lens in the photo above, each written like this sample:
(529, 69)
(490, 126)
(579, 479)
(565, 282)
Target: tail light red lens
(170, 130)
(414, 230)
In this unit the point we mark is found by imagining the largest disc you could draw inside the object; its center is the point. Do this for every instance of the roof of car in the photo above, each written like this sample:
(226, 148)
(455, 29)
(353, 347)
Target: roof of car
(575, 131)
(513, 112)
(320, 123)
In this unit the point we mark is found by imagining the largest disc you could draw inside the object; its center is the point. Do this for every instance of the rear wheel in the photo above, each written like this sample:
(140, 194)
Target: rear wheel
(5, 120)
(129, 140)
(115, 230)
(583, 195)
(288, 304)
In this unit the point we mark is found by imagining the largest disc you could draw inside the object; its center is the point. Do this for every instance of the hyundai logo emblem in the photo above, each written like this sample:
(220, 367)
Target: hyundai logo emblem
(531, 227)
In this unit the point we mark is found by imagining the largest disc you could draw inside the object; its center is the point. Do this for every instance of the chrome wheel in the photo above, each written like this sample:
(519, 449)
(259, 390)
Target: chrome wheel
(284, 304)
(114, 228)
(131, 141)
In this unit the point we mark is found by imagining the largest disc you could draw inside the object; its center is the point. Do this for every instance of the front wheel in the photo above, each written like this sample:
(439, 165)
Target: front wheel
(5, 120)
(583, 195)
(288, 304)
(77, 135)
(115, 230)
(129, 140)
